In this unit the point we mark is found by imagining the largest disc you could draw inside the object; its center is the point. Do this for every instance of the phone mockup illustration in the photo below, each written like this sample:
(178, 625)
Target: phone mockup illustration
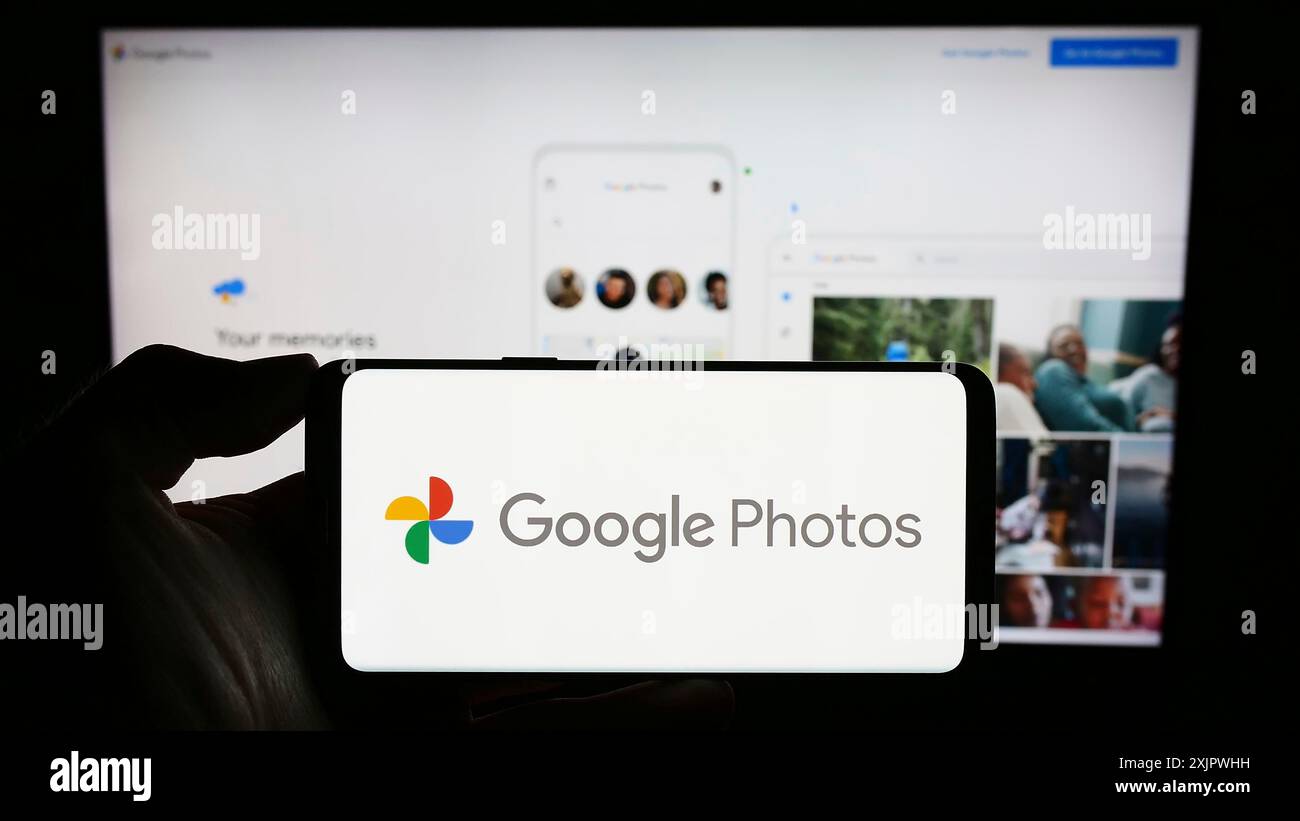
(633, 248)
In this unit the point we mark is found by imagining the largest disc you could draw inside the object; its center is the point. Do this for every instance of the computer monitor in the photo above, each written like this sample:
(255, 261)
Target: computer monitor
(1012, 197)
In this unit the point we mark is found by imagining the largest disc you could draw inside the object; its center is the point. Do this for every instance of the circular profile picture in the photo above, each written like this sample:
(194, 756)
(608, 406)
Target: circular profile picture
(713, 292)
(666, 289)
(615, 288)
(564, 288)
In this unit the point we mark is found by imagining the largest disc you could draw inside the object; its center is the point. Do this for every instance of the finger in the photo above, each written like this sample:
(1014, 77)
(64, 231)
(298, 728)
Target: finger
(692, 704)
(273, 510)
(281, 505)
(164, 407)
(269, 519)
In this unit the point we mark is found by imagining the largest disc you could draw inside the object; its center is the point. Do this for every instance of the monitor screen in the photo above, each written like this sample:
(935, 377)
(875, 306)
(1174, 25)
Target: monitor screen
(1016, 198)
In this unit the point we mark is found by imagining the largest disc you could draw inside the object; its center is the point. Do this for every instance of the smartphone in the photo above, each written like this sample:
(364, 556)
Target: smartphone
(526, 516)
(633, 248)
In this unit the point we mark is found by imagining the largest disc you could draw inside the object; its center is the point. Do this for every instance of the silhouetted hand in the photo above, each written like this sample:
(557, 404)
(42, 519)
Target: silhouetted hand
(204, 622)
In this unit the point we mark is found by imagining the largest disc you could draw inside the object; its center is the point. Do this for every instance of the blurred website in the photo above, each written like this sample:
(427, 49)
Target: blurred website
(1012, 197)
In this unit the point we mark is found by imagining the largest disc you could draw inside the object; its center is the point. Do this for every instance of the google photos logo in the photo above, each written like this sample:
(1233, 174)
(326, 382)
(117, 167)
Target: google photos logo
(428, 520)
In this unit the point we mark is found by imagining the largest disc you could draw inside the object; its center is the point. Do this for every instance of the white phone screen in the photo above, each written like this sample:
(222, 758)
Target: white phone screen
(600, 521)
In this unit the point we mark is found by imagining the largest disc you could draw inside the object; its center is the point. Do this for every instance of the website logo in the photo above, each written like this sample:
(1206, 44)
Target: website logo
(229, 289)
(428, 520)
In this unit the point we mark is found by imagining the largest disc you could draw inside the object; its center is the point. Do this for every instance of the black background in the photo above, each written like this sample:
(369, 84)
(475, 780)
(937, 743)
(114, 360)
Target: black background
(1015, 720)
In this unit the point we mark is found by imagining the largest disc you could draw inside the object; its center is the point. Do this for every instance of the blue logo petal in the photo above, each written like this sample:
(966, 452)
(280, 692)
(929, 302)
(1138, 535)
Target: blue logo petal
(451, 531)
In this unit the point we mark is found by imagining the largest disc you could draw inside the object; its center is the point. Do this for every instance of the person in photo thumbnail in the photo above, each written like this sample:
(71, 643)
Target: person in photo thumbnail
(1067, 400)
(564, 288)
(1026, 601)
(1014, 393)
(1023, 533)
(715, 289)
(1150, 390)
(1101, 603)
(615, 288)
(667, 289)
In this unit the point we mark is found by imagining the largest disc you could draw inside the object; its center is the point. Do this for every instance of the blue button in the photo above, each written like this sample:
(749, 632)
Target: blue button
(1124, 52)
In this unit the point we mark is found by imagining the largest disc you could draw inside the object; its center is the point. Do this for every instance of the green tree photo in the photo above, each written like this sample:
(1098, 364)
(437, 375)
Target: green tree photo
(918, 330)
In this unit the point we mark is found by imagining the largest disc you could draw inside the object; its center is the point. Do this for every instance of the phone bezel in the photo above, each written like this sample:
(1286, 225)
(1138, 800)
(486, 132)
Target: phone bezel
(323, 450)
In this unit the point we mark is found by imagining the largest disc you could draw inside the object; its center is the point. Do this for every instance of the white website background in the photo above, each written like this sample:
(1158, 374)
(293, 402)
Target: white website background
(912, 164)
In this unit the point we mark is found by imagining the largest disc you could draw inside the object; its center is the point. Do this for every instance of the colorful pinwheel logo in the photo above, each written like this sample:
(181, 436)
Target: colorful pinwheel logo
(428, 520)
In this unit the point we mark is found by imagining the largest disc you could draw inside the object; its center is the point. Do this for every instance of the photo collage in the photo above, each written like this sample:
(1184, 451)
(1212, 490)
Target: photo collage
(1085, 401)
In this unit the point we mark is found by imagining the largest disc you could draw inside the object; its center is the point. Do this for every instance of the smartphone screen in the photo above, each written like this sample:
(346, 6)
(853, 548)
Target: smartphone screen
(633, 249)
(535, 520)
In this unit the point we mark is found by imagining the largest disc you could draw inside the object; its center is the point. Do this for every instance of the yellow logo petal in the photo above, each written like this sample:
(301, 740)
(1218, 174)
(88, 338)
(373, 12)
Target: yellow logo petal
(407, 509)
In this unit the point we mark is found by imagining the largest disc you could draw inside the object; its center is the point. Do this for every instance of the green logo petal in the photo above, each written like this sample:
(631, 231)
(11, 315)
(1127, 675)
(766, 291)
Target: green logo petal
(417, 542)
